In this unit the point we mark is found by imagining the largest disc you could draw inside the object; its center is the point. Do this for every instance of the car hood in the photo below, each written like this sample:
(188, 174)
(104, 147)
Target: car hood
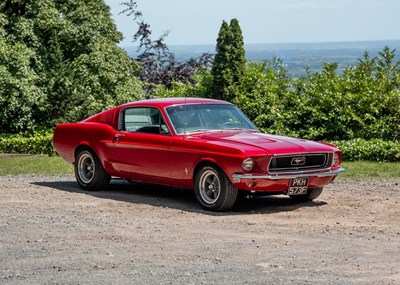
(270, 144)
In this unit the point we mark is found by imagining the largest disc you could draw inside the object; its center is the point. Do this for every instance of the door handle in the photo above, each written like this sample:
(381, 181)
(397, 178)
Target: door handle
(117, 136)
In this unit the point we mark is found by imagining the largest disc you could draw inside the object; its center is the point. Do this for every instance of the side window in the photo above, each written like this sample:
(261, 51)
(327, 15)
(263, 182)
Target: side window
(144, 120)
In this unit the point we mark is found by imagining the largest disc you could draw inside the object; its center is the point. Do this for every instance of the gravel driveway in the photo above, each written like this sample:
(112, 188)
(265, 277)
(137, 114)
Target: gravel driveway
(51, 232)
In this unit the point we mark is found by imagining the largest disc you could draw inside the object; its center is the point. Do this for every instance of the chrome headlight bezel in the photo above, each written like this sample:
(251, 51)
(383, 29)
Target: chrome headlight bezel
(248, 164)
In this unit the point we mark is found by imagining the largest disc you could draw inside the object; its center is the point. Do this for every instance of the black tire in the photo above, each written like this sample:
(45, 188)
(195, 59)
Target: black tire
(89, 172)
(311, 194)
(214, 190)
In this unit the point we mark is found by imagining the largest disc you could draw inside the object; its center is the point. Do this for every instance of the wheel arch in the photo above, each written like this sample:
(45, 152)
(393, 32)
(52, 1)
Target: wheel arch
(87, 146)
(97, 152)
(206, 162)
(83, 146)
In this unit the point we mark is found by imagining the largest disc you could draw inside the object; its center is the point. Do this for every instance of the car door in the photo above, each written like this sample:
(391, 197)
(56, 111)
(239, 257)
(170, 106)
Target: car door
(142, 145)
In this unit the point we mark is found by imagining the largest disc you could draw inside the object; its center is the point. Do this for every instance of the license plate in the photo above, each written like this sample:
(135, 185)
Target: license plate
(298, 186)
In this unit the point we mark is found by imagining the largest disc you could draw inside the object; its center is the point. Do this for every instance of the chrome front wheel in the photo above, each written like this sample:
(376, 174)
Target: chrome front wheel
(213, 189)
(209, 187)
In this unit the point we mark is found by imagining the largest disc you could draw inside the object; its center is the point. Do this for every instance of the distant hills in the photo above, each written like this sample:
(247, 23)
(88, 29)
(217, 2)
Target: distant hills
(296, 56)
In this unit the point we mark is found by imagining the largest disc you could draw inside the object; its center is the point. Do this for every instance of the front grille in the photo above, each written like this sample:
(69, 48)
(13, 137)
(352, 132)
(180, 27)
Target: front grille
(296, 162)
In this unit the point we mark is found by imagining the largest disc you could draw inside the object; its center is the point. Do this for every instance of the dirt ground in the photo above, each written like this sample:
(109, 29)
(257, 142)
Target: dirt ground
(51, 232)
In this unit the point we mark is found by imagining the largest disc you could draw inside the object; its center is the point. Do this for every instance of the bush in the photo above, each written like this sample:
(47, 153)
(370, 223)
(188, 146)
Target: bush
(372, 150)
(362, 102)
(39, 142)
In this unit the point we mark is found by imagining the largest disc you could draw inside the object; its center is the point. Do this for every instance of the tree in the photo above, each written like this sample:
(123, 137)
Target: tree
(158, 63)
(68, 65)
(229, 62)
(20, 96)
(238, 61)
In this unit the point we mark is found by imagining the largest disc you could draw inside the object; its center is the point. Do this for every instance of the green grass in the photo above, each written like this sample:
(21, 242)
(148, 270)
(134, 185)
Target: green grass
(369, 169)
(55, 165)
(34, 165)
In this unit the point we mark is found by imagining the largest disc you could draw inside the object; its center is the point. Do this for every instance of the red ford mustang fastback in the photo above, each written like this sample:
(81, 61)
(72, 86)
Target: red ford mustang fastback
(203, 144)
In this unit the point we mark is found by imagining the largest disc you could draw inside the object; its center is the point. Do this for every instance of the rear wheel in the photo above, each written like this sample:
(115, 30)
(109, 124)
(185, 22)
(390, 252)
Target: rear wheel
(89, 171)
(214, 190)
(311, 194)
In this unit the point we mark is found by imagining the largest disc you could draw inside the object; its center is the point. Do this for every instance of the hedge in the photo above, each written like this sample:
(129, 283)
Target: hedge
(357, 149)
(39, 142)
(369, 150)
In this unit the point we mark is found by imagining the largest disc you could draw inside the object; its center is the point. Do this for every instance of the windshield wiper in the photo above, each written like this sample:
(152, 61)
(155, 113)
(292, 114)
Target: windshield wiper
(198, 131)
(241, 129)
(234, 129)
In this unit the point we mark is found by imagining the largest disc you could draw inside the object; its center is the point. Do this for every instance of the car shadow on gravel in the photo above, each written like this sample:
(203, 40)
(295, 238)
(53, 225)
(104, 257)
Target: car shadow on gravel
(181, 199)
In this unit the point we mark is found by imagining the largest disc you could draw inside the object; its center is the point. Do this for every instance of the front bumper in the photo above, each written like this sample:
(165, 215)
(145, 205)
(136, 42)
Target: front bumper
(238, 177)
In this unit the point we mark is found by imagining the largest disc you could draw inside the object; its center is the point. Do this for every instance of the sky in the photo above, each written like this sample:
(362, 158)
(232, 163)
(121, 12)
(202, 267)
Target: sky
(196, 22)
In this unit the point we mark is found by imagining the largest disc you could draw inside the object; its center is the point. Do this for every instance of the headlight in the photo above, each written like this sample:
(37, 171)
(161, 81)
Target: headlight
(248, 164)
(336, 159)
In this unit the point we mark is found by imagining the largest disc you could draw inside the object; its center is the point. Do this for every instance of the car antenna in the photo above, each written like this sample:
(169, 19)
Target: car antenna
(184, 118)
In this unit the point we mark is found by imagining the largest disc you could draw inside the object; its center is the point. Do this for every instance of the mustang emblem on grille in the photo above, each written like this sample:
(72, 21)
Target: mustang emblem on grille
(298, 161)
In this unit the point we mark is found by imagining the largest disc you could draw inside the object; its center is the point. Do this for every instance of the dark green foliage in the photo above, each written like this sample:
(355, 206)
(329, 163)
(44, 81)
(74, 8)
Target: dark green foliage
(59, 62)
(229, 62)
(237, 60)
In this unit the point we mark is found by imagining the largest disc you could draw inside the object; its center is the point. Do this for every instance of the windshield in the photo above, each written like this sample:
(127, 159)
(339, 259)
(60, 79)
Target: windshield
(207, 117)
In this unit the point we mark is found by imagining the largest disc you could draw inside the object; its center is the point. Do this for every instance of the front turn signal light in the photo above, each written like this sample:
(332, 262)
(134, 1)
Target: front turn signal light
(337, 159)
